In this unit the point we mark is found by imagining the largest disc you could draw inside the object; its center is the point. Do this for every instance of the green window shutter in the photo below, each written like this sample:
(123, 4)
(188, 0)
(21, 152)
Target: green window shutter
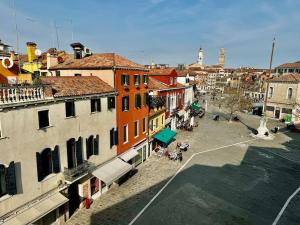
(39, 166)
(79, 158)
(55, 160)
(11, 184)
(96, 145)
(135, 101)
(111, 135)
(116, 137)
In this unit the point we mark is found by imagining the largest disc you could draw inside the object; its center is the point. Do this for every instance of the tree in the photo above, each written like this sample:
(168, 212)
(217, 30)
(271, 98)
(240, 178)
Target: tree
(235, 102)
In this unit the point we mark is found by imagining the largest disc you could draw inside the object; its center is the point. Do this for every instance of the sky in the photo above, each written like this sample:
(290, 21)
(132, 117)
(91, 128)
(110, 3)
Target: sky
(162, 31)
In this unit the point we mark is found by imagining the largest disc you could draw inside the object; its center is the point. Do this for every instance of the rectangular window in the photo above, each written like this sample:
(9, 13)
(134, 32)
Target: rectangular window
(77, 74)
(156, 123)
(138, 101)
(111, 103)
(144, 125)
(43, 118)
(136, 80)
(286, 110)
(271, 90)
(8, 184)
(125, 80)
(289, 93)
(94, 185)
(95, 105)
(125, 103)
(125, 133)
(145, 79)
(270, 108)
(146, 99)
(151, 125)
(136, 128)
(2, 181)
(111, 136)
(70, 109)
(57, 73)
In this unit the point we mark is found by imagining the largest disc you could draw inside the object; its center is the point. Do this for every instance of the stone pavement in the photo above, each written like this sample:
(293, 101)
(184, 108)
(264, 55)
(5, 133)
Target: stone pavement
(121, 204)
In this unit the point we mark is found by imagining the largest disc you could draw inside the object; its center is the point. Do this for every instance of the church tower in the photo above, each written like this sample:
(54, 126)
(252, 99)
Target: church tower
(200, 57)
(222, 57)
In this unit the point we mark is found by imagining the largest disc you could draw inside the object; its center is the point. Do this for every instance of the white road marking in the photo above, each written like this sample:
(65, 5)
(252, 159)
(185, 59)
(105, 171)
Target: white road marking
(178, 171)
(285, 206)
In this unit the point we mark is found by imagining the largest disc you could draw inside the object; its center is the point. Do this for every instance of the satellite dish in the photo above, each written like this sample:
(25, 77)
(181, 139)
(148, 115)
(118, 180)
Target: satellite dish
(38, 52)
(7, 62)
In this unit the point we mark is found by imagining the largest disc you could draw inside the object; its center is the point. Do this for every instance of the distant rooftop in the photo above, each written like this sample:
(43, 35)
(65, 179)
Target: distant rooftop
(290, 65)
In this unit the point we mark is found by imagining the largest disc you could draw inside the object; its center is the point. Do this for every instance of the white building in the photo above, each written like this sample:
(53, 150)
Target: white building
(53, 137)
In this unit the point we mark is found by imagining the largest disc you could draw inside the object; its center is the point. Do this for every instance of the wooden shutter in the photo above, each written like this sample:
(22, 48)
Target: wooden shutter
(116, 136)
(11, 184)
(98, 101)
(122, 79)
(123, 103)
(39, 166)
(135, 101)
(111, 134)
(96, 145)
(113, 102)
(70, 153)
(139, 101)
(79, 158)
(55, 160)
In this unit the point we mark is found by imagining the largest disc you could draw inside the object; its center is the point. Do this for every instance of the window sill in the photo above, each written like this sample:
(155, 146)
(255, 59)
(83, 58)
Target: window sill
(125, 110)
(45, 128)
(48, 177)
(125, 142)
(71, 117)
(5, 197)
(95, 112)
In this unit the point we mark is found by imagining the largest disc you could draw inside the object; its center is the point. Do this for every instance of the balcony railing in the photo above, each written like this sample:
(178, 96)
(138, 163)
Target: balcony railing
(75, 173)
(21, 94)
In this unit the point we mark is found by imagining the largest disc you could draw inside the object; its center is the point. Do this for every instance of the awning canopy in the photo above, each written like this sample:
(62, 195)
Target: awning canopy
(112, 171)
(165, 136)
(167, 121)
(38, 210)
(195, 106)
(129, 155)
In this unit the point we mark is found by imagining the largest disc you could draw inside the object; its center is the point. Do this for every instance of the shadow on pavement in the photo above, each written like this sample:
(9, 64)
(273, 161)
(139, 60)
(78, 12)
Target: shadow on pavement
(251, 193)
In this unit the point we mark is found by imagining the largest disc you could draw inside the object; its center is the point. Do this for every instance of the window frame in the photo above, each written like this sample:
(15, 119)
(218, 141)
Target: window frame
(48, 115)
(144, 126)
(124, 78)
(73, 109)
(111, 104)
(270, 92)
(124, 109)
(136, 80)
(145, 81)
(136, 129)
(287, 96)
(95, 105)
(125, 134)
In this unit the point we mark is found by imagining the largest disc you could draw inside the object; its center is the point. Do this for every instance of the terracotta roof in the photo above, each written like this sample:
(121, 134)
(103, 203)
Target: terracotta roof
(290, 65)
(97, 61)
(183, 73)
(286, 78)
(155, 84)
(76, 86)
(161, 71)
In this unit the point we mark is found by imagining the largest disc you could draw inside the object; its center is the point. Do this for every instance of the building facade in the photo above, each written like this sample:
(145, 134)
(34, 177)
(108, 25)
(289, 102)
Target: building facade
(283, 98)
(53, 136)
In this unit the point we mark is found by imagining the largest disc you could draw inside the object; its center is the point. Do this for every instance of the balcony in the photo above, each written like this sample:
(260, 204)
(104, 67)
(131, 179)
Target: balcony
(79, 171)
(21, 94)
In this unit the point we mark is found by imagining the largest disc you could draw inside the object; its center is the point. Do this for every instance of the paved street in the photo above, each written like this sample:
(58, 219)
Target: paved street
(243, 184)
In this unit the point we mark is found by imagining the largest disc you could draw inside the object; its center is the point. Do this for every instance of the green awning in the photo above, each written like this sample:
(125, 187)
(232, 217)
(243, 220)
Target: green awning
(165, 136)
(287, 119)
(195, 106)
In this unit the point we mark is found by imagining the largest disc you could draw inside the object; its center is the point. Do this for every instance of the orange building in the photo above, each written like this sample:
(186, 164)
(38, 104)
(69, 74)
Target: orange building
(130, 80)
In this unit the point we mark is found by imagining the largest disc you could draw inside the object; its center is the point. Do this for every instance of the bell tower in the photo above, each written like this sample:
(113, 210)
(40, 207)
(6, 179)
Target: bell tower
(222, 57)
(200, 57)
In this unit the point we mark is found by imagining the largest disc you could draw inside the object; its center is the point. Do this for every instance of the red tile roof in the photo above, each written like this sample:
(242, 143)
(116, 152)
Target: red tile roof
(76, 86)
(161, 71)
(290, 65)
(183, 73)
(98, 61)
(155, 84)
(286, 78)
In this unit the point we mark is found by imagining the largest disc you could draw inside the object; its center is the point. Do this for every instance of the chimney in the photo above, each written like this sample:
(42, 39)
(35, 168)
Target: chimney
(31, 47)
(52, 60)
(78, 49)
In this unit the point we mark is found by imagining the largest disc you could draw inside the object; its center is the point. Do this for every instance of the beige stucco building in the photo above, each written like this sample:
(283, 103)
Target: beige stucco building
(283, 97)
(53, 137)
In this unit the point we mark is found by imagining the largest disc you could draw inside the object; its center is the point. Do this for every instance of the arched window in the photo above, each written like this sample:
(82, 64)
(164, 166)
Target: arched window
(289, 93)
(271, 90)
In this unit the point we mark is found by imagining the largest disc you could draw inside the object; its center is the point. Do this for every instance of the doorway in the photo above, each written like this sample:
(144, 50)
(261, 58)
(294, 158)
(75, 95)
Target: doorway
(74, 198)
(277, 113)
